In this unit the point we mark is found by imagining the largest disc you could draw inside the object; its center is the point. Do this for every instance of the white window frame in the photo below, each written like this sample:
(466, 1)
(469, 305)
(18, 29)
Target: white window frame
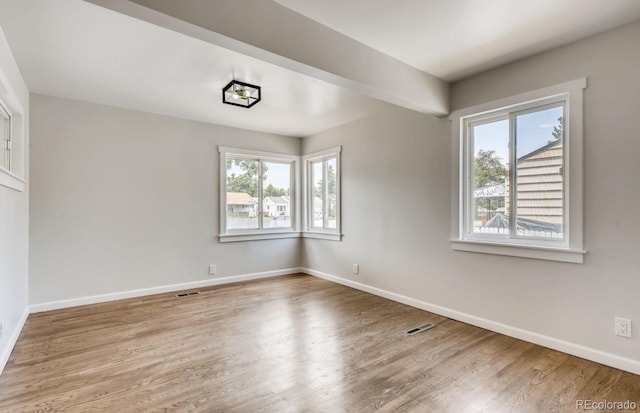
(12, 175)
(6, 160)
(568, 249)
(231, 235)
(334, 234)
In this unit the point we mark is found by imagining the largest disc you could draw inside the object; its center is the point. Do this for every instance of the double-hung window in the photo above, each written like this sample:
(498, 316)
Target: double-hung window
(520, 175)
(11, 139)
(257, 195)
(5, 138)
(322, 194)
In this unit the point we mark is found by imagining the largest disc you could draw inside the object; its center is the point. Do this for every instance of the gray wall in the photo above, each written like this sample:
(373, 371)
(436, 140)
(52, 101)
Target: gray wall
(396, 205)
(14, 223)
(125, 200)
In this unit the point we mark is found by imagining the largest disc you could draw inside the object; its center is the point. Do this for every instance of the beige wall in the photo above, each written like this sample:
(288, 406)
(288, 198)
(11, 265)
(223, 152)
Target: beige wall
(124, 200)
(14, 223)
(400, 162)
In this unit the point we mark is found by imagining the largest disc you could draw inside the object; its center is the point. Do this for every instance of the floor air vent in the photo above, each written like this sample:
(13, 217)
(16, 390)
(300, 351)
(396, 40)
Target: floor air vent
(181, 295)
(419, 329)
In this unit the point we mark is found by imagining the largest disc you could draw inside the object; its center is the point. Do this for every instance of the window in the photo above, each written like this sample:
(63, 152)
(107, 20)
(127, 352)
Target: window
(520, 175)
(257, 195)
(322, 194)
(11, 144)
(5, 137)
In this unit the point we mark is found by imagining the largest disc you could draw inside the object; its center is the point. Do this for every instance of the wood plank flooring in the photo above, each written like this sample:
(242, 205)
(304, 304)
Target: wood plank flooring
(287, 344)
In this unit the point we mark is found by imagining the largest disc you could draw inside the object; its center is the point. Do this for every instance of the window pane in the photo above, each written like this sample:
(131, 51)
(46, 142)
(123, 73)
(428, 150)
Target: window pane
(317, 208)
(331, 193)
(276, 191)
(490, 171)
(242, 193)
(539, 173)
(5, 130)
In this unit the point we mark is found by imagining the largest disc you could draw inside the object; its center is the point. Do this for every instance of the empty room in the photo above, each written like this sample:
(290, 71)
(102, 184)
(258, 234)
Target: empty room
(319, 206)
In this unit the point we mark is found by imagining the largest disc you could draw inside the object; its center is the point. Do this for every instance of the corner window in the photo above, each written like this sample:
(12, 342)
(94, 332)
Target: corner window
(520, 175)
(322, 194)
(257, 193)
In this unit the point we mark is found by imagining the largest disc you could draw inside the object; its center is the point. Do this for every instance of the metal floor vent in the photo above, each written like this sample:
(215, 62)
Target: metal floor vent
(187, 294)
(419, 329)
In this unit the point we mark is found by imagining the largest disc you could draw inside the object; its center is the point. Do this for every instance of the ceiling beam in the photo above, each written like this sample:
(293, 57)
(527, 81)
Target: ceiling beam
(273, 33)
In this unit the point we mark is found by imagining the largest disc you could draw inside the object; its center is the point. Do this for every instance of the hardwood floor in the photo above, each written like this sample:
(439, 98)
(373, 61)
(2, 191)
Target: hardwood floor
(287, 344)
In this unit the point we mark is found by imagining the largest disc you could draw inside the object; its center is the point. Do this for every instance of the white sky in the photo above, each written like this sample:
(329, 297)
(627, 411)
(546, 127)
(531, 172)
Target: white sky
(533, 131)
(278, 174)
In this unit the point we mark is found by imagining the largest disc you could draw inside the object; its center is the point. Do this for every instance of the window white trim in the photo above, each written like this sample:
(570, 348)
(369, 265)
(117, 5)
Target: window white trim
(524, 251)
(334, 234)
(12, 177)
(571, 250)
(5, 131)
(231, 235)
(258, 236)
(10, 180)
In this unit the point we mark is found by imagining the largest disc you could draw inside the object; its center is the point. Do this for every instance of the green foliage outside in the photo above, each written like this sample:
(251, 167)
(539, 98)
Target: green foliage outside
(331, 190)
(271, 190)
(489, 170)
(331, 183)
(558, 130)
(247, 180)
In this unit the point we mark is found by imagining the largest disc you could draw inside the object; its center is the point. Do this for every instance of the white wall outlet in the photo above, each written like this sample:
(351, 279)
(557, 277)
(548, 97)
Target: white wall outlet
(623, 327)
(356, 268)
(1, 323)
(212, 269)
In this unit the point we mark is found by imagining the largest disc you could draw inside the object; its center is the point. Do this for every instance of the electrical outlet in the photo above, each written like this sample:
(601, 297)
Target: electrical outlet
(212, 269)
(1, 322)
(623, 327)
(356, 268)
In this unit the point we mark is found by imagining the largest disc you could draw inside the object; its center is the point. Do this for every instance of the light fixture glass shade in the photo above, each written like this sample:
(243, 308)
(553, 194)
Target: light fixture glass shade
(242, 94)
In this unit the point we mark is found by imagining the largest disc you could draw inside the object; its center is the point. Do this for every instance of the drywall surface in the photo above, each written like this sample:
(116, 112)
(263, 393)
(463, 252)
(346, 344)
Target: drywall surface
(396, 206)
(14, 223)
(297, 43)
(125, 200)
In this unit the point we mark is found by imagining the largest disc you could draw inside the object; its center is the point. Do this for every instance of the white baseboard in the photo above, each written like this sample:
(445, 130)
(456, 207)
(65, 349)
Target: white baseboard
(578, 350)
(13, 338)
(574, 349)
(74, 302)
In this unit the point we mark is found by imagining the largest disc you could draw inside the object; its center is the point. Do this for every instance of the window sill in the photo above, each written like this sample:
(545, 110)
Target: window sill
(524, 251)
(258, 236)
(322, 235)
(10, 180)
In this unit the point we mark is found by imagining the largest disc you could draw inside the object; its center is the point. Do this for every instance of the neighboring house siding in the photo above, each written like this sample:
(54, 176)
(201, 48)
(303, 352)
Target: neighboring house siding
(276, 206)
(540, 184)
(240, 204)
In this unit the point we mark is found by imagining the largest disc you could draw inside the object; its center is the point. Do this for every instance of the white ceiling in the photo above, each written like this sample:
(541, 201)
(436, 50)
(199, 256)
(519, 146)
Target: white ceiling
(77, 50)
(453, 39)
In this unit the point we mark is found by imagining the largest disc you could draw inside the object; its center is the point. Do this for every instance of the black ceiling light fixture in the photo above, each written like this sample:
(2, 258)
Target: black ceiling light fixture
(242, 94)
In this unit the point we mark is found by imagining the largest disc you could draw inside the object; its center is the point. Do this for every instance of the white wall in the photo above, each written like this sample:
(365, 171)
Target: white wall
(396, 208)
(124, 200)
(14, 224)
(298, 43)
